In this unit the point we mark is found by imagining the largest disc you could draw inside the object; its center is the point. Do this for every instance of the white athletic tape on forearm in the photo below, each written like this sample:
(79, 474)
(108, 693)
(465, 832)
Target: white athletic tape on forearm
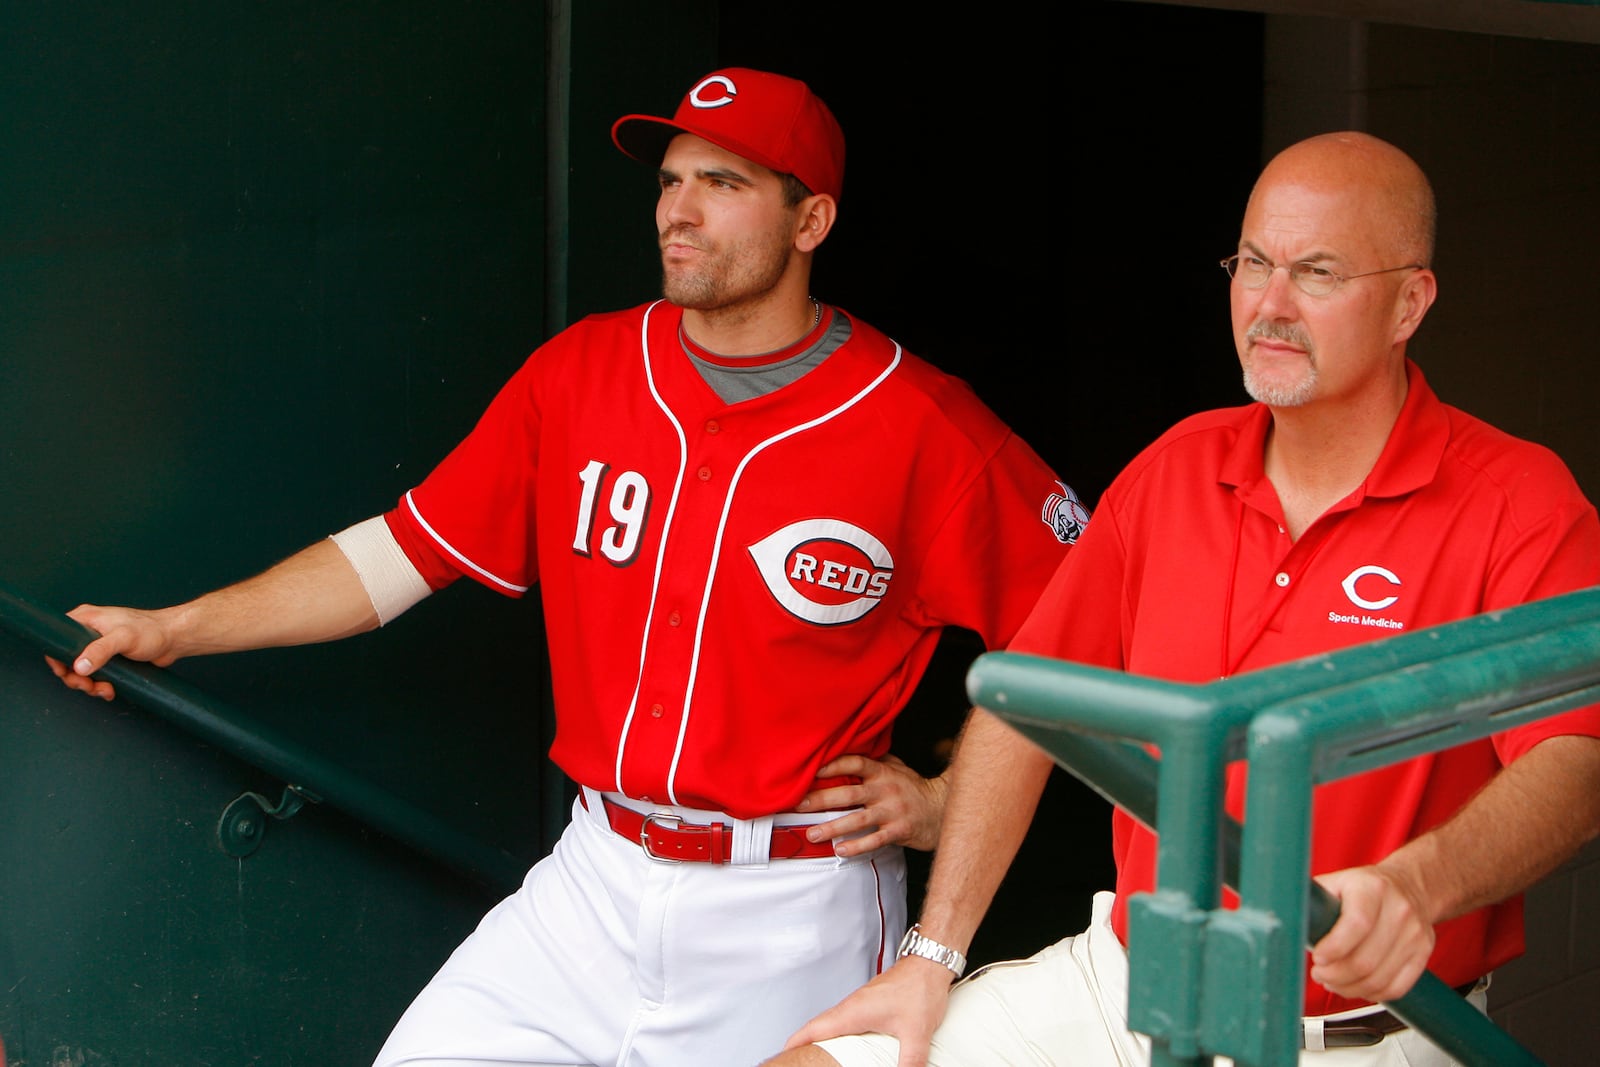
(393, 584)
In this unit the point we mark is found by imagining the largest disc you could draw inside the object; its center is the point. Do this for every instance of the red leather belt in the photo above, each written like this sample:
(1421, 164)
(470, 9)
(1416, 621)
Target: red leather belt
(665, 836)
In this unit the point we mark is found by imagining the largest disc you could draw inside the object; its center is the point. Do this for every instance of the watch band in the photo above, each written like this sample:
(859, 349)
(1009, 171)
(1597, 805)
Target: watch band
(915, 944)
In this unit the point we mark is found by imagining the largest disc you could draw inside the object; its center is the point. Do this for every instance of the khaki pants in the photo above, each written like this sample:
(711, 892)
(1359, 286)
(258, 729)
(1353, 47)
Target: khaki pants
(1066, 1005)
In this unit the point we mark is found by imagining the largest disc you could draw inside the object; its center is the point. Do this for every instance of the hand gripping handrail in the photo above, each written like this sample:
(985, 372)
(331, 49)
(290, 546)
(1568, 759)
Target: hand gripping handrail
(310, 775)
(1298, 723)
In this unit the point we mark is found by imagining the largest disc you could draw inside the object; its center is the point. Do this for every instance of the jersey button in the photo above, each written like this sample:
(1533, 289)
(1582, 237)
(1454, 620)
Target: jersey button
(712, 426)
(1282, 579)
(674, 619)
(704, 473)
(655, 711)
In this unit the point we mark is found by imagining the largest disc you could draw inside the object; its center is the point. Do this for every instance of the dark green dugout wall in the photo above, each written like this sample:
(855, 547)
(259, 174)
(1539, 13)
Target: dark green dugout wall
(262, 264)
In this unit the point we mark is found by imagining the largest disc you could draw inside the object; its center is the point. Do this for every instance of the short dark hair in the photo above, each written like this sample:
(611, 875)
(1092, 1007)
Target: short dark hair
(794, 190)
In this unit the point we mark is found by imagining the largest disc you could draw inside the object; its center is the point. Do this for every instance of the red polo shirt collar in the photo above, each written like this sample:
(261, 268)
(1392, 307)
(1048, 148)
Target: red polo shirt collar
(1409, 460)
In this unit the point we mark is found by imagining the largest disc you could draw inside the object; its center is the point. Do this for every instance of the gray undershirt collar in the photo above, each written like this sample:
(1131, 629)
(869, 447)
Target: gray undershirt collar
(734, 383)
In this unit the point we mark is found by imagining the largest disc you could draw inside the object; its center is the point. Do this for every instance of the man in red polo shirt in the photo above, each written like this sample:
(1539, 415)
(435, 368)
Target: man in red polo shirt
(1347, 503)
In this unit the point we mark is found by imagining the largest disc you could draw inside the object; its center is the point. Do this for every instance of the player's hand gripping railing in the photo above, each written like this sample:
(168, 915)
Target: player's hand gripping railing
(1207, 981)
(310, 775)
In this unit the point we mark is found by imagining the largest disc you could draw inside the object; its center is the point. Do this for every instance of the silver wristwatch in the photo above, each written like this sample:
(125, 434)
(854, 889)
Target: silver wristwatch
(914, 944)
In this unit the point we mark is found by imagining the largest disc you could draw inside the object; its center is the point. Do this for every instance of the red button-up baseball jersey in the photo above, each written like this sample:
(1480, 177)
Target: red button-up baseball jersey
(736, 594)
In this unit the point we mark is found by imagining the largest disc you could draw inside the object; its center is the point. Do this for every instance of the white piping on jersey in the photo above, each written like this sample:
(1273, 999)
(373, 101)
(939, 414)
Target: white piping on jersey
(661, 548)
(463, 560)
(716, 546)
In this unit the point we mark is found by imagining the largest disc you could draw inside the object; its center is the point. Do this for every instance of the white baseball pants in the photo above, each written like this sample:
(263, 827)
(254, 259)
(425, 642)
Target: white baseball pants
(609, 958)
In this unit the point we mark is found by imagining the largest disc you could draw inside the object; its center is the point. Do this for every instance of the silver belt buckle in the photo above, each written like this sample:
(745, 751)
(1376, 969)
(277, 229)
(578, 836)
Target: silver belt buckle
(644, 834)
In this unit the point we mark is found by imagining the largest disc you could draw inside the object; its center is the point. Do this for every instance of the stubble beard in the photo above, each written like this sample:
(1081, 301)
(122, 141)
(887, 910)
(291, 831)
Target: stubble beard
(726, 278)
(1274, 392)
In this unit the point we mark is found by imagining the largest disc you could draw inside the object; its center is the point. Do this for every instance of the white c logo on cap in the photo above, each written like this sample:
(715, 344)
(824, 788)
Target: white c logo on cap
(1349, 587)
(716, 79)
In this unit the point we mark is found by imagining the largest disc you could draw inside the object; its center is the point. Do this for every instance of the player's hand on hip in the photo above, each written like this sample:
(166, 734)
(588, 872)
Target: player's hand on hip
(896, 805)
(1380, 945)
(129, 632)
(907, 1002)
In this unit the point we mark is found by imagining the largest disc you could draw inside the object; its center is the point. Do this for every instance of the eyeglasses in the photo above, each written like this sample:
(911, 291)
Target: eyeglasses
(1253, 272)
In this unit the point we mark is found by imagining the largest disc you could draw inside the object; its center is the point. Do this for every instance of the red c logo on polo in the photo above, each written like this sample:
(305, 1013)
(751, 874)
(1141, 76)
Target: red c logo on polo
(1390, 581)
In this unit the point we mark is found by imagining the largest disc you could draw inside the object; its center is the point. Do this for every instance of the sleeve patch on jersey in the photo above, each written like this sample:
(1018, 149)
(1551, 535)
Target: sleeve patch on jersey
(1065, 514)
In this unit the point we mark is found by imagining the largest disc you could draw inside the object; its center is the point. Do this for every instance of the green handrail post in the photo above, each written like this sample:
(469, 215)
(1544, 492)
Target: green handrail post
(1470, 690)
(1197, 842)
(1532, 660)
(1189, 855)
(1127, 775)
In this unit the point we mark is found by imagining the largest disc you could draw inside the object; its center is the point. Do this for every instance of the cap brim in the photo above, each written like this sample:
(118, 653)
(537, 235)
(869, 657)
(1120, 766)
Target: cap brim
(644, 137)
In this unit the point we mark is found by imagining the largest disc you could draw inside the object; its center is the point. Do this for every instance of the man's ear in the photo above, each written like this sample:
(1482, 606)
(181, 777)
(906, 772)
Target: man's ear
(813, 220)
(1416, 296)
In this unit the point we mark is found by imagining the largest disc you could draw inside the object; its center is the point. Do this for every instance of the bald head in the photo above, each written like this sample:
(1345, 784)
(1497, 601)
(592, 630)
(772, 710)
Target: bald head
(1349, 219)
(1383, 186)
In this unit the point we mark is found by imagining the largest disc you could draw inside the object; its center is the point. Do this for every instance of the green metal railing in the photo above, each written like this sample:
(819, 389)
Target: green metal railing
(308, 775)
(1297, 724)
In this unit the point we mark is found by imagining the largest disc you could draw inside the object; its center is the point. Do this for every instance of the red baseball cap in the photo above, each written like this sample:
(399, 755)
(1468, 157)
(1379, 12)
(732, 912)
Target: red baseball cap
(768, 119)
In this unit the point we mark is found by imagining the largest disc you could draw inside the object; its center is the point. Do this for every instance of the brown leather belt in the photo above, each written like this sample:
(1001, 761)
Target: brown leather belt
(665, 836)
(1364, 1030)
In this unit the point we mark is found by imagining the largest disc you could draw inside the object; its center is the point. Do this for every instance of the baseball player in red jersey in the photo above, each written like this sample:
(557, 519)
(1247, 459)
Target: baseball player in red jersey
(749, 516)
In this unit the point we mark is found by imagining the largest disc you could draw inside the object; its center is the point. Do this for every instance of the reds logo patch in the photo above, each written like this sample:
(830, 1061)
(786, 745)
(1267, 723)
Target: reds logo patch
(825, 571)
(1065, 514)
